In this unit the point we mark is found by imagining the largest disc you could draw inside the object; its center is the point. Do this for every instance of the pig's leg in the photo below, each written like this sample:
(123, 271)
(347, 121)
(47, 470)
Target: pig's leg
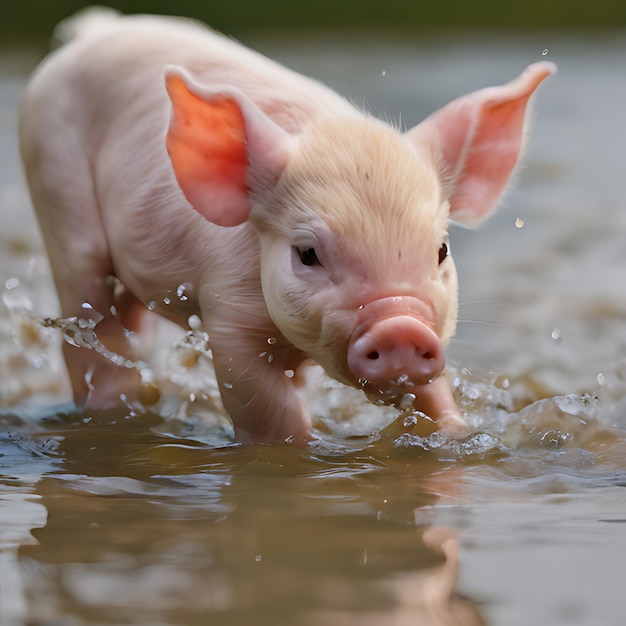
(251, 359)
(97, 380)
(261, 400)
(79, 255)
(437, 401)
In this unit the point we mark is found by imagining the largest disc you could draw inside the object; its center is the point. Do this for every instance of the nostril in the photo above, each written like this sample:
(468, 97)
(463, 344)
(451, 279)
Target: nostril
(428, 355)
(372, 356)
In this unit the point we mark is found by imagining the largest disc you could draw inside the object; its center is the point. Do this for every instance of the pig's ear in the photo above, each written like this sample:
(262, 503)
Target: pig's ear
(479, 138)
(218, 141)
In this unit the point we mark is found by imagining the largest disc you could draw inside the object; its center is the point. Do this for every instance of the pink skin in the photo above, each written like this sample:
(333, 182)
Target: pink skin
(307, 229)
(395, 347)
(392, 343)
(394, 352)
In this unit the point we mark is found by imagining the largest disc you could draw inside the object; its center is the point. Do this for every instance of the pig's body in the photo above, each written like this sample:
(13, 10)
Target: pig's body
(96, 132)
(94, 127)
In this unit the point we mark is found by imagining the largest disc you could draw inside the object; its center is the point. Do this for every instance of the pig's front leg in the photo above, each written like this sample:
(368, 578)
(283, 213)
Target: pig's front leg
(437, 401)
(254, 366)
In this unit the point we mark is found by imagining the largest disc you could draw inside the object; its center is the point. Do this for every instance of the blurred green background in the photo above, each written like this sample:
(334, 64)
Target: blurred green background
(32, 20)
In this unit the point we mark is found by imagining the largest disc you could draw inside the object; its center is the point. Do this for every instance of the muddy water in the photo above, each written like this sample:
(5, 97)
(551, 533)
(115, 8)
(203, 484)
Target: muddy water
(158, 518)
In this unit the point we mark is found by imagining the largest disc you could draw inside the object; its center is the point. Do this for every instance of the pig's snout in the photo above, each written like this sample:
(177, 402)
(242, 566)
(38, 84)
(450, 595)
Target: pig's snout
(400, 349)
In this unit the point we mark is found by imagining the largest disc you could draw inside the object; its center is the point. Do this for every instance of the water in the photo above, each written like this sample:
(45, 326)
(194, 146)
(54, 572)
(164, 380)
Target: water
(154, 518)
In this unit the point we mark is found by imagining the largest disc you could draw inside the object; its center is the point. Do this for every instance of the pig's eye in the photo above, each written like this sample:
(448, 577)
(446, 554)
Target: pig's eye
(308, 256)
(443, 252)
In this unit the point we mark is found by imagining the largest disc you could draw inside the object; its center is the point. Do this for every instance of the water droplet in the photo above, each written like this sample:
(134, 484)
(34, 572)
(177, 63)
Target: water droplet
(147, 376)
(166, 300)
(601, 378)
(407, 401)
(545, 51)
(228, 385)
(194, 321)
(270, 358)
(556, 335)
(361, 307)
(289, 373)
(271, 340)
(12, 283)
(262, 354)
(519, 222)
(410, 421)
(183, 291)
(151, 305)
(258, 558)
(384, 72)
(379, 515)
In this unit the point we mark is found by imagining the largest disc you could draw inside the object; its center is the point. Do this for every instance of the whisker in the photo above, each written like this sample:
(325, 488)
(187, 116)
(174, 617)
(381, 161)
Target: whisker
(479, 323)
(463, 303)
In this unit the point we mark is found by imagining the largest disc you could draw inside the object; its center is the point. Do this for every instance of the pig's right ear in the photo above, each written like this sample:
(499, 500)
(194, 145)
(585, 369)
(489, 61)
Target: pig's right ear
(221, 145)
(478, 138)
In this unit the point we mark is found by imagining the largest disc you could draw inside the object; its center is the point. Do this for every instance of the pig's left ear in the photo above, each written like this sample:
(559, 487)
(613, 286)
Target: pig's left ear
(479, 138)
(218, 141)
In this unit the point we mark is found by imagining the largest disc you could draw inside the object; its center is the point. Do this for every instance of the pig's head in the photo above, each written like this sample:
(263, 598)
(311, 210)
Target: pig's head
(352, 217)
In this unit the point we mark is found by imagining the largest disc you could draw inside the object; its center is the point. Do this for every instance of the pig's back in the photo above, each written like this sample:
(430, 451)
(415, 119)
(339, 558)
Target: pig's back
(101, 99)
(118, 58)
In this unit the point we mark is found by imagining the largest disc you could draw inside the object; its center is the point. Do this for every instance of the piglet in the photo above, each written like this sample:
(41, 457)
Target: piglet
(163, 154)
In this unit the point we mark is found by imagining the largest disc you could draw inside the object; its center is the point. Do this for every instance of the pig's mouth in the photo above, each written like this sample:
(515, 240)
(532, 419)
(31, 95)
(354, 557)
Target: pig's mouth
(400, 391)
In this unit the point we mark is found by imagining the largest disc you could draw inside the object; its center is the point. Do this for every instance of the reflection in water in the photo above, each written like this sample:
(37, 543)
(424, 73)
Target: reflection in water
(146, 525)
(22, 463)
(420, 598)
(19, 514)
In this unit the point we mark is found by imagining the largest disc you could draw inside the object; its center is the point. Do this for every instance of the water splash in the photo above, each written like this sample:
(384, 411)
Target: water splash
(188, 364)
(27, 350)
(500, 418)
(80, 333)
